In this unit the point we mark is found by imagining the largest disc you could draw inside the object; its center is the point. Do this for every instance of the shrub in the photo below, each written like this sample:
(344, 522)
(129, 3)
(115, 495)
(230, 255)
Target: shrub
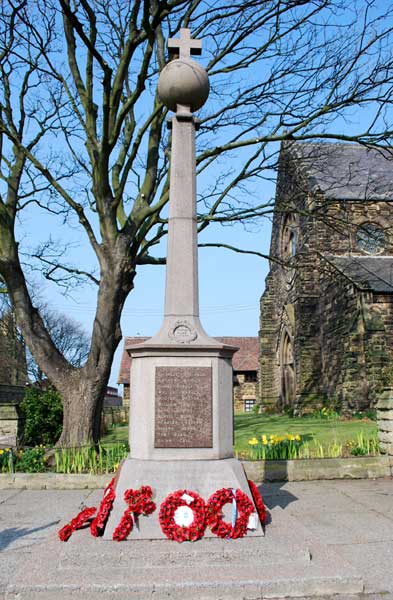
(43, 414)
(31, 460)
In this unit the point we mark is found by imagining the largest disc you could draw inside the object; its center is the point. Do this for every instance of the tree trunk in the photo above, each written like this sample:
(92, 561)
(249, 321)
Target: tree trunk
(82, 404)
(83, 392)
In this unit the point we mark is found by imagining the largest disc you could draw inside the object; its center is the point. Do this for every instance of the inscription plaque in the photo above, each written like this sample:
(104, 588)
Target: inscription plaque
(183, 407)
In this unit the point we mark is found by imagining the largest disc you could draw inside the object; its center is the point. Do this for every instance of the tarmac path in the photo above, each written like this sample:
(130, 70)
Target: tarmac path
(323, 539)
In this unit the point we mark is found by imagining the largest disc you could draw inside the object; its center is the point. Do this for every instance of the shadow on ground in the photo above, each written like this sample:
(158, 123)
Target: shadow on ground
(10, 535)
(273, 495)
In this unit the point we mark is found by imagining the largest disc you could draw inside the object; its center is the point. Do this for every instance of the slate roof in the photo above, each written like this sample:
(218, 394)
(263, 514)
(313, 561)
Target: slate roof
(367, 272)
(345, 171)
(245, 359)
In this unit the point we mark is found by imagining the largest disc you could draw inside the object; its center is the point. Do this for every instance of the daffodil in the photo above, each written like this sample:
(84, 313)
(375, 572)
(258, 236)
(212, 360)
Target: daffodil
(253, 441)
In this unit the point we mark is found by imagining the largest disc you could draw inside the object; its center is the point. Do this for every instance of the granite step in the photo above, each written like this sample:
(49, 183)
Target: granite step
(210, 569)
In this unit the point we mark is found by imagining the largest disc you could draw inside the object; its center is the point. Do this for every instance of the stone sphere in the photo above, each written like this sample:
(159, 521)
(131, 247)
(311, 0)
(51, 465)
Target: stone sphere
(183, 81)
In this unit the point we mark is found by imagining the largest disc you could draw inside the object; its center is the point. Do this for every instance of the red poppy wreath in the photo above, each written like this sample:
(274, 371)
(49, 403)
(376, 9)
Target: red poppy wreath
(258, 501)
(139, 503)
(77, 523)
(182, 516)
(97, 526)
(215, 517)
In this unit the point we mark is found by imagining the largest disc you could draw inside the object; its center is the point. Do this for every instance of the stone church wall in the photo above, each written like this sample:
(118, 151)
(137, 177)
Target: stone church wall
(338, 349)
(269, 379)
(378, 319)
(342, 342)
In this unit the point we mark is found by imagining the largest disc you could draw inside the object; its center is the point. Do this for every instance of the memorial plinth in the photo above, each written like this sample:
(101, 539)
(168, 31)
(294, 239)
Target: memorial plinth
(181, 408)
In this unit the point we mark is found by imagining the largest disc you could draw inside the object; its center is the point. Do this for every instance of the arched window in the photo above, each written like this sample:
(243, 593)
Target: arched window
(289, 246)
(287, 371)
(289, 237)
(370, 238)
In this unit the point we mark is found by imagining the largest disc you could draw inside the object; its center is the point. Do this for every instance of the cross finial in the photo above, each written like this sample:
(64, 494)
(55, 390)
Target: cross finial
(185, 45)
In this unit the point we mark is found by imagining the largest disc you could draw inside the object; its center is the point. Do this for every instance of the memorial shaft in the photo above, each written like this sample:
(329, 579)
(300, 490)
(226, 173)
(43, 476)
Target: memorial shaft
(181, 293)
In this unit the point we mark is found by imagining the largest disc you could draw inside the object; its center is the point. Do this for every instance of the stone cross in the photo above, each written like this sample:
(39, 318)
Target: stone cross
(185, 45)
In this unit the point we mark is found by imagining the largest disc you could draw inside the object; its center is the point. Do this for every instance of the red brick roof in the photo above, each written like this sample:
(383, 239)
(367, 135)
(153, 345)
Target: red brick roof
(245, 359)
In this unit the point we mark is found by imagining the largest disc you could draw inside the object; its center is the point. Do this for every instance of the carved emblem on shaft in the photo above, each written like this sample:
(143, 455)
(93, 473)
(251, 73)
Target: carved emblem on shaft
(183, 332)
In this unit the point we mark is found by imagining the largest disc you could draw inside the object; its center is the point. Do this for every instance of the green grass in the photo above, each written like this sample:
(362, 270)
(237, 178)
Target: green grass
(116, 435)
(319, 432)
(324, 437)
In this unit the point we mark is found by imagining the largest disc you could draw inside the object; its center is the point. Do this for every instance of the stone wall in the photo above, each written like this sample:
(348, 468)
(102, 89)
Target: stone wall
(126, 394)
(11, 421)
(269, 380)
(357, 341)
(342, 336)
(342, 342)
(243, 391)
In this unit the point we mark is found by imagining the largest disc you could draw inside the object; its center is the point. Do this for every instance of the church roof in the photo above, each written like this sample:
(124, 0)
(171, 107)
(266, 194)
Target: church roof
(244, 359)
(368, 272)
(345, 171)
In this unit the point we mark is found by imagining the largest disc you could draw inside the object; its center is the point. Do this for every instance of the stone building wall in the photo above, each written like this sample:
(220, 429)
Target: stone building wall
(126, 395)
(292, 282)
(378, 323)
(329, 331)
(269, 383)
(245, 393)
(357, 342)
(342, 342)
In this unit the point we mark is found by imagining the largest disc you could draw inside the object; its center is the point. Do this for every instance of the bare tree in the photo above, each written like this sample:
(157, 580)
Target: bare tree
(83, 136)
(69, 337)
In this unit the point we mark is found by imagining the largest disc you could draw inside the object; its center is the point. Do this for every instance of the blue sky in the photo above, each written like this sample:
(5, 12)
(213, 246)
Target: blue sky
(230, 285)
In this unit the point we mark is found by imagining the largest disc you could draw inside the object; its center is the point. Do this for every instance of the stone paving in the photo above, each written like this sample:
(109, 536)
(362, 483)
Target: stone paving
(323, 538)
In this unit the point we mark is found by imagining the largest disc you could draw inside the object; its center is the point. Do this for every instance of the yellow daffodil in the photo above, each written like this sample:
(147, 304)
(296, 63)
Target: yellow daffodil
(253, 441)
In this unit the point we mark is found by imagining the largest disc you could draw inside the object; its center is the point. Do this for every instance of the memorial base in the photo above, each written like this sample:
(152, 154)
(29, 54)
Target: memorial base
(201, 476)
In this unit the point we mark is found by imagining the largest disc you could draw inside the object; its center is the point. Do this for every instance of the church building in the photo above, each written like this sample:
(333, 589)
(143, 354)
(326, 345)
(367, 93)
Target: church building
(326, 331)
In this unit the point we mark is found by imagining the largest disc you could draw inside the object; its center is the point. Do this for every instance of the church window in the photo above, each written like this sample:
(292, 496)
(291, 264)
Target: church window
(370, 238)
(289, 237)
(287, 371)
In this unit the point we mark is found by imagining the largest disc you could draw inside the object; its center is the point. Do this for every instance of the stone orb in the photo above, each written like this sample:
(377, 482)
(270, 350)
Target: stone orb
(184, 82)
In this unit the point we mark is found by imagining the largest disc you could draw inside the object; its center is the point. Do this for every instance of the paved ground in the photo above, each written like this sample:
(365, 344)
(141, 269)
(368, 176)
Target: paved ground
(324, 538)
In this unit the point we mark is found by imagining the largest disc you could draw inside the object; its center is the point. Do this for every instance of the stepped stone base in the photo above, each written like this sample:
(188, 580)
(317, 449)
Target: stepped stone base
(201, 476)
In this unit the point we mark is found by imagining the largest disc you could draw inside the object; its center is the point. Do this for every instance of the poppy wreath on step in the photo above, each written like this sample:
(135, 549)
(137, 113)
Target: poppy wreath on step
(186, 506)
(77, 523)
(258, 501)
(215, 517)
(97, 526)
(139, 503)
